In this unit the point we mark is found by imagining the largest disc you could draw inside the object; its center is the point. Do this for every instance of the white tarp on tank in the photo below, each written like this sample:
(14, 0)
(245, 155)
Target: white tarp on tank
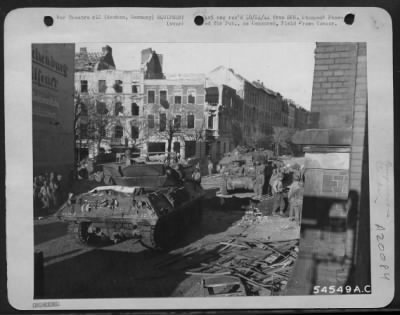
(123, 189)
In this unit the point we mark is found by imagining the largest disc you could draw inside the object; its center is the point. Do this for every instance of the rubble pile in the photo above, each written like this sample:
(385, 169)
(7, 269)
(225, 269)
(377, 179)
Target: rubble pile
(251, 216)
(263, 268)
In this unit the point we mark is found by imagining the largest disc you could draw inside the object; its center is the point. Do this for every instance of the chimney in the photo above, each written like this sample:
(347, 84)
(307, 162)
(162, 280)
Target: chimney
(107, 49)
(160, 59)
(146, 53)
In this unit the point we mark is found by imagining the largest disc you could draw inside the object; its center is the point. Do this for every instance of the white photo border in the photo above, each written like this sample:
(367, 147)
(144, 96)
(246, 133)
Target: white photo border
(372, 25)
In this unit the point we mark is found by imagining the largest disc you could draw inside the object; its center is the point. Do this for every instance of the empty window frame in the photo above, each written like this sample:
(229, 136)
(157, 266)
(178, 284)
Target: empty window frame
(164, 98)
(177, 122)
(150, 121)
(151, 96)
(211, 122)
(102, 86)
(163, 121)
(134, 132)
(190, 121)
(119, 109)
(134, 109)
(84, 86)
(118, 86)
(135, 88)
(118, 132)
(191, 96)
(178, 99)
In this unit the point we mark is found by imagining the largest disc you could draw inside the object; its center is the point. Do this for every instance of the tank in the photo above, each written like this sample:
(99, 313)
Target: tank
(240, 176)
(144, 173)
(239, 171)
(158, 212)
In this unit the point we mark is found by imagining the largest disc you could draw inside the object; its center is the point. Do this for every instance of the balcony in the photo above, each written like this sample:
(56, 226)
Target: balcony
(211, 106)
(116, 141)
(211, 133)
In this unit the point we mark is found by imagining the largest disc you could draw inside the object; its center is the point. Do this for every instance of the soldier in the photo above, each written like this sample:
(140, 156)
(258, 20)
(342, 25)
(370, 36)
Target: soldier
(259, 184)
(272, 179)
(128, 157)
(267, 176)
(45, 195)
(196, 176)
(277, 191)
(295, 197)
(210, 166)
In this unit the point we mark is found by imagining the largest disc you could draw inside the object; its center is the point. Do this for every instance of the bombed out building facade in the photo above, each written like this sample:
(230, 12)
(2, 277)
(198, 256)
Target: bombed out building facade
(153, 112)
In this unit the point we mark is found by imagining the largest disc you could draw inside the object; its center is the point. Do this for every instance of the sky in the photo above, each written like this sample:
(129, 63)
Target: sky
(286, 68)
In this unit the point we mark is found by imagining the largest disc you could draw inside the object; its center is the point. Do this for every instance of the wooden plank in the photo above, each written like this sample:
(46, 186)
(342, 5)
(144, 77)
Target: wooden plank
(204, 274)
(240, 293)
(253, 282)
(233, 244)
(226, 245)
(275, 250)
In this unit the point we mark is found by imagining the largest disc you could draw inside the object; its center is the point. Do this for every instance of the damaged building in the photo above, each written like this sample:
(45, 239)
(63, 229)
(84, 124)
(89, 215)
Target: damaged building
(174, 116)
(152, 112)
(240, 111)
(112, 94)
(145, 110)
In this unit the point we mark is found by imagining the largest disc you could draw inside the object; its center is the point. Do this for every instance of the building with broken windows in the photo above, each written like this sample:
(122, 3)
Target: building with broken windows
(114, 95)
(143, 108)
(154, 113)
(174, 115)
(240, 111)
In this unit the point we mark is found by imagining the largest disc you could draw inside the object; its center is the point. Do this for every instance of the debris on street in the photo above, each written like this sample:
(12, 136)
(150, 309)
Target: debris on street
(264, 268)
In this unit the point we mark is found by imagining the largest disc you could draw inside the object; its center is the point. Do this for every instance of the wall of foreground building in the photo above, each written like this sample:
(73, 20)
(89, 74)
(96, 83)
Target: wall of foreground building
(334, 245)
(52, 108)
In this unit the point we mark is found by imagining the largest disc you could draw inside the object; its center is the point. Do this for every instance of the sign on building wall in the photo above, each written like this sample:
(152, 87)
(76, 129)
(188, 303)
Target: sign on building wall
(327, 175)
(53, 107)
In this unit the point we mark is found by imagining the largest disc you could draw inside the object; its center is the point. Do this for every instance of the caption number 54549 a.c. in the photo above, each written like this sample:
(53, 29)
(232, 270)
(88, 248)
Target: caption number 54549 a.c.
(332, 289)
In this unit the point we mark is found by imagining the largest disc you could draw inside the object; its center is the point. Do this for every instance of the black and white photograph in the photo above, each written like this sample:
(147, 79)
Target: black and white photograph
(196, 184)
(204, 169)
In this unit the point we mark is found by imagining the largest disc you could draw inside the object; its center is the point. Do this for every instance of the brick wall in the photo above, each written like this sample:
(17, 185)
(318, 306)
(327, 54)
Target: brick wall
(359, 173)
(334, 84)
(340, 97)
(359, 145)
(338, 108)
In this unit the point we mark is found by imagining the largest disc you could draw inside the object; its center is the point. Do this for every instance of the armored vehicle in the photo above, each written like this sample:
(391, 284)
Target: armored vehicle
(157, 212)
(239, 171)
(153, 173)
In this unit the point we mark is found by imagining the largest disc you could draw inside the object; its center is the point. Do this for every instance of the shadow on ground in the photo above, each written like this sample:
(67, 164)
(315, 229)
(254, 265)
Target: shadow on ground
(103, 273)
(112, 272)
(50, 231)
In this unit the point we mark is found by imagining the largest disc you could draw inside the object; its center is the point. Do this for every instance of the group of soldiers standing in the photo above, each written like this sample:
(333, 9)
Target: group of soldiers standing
(286, 185)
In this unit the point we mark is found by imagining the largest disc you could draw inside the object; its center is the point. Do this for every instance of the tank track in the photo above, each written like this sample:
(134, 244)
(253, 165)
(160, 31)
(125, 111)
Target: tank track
(165, 234)
(80, 232)
(170, 229)
(147, 240)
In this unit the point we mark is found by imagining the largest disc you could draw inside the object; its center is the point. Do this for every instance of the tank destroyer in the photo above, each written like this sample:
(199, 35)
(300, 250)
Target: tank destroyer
(153, 204)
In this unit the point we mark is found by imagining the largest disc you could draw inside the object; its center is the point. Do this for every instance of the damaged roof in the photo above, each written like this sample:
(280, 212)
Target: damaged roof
(255, 84)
